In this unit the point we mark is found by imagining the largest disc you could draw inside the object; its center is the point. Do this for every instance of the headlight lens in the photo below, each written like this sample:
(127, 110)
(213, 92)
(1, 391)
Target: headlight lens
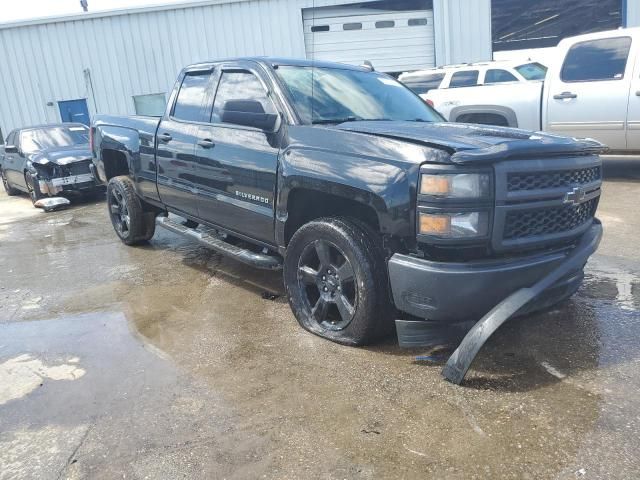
(459, 225)
(456, 185)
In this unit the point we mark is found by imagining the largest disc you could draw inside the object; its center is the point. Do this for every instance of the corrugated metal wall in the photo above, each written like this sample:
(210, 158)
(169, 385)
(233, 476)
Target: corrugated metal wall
(109, 58)
(463, 30)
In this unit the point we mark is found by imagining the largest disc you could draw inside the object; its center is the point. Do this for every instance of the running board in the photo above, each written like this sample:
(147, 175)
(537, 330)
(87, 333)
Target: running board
(258, 260)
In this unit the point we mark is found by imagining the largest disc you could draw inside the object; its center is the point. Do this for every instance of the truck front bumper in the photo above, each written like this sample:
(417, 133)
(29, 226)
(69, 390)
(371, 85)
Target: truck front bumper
(462, 293)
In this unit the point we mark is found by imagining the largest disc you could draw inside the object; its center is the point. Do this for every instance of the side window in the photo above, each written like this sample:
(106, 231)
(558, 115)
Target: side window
(240, 85)
(467, 78)
(593, 60)
(499, 76)
(11, 138)
(191, 97)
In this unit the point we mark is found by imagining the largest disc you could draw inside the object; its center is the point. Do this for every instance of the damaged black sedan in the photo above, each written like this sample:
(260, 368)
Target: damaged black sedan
(47, 161)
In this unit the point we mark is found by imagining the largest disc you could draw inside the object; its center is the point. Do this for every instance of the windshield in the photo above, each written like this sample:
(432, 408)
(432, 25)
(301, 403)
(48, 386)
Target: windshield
(334, 95)
(32, 141)
(532, 71)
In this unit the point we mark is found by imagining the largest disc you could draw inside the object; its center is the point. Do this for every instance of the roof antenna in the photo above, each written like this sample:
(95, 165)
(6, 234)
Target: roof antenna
(85, 5)
(368, 65)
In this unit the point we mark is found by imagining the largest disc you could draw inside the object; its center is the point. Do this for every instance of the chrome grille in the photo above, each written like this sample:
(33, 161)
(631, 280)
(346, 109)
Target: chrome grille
(520, 181)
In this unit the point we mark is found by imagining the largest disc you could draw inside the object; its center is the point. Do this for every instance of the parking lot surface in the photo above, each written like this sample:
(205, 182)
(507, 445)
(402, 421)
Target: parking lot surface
(168, 361)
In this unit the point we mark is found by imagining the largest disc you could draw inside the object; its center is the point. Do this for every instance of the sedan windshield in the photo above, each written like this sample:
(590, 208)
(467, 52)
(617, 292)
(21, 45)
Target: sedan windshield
(32, 141)
(335, 95)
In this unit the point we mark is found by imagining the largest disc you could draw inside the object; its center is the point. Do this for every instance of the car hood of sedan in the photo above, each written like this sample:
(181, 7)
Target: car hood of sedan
(62, 155)
(470, 143)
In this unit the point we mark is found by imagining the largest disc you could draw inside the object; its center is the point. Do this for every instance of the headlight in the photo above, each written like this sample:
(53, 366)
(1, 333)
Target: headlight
(456, 185)
(459, 225)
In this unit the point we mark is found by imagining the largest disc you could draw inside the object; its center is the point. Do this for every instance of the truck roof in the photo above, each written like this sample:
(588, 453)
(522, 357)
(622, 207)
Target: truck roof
(276, 61)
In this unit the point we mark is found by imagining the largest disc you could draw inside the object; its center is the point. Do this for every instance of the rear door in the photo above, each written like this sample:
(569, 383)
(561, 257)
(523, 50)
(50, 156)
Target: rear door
(587, 95)
(175, 142)
(237, 164)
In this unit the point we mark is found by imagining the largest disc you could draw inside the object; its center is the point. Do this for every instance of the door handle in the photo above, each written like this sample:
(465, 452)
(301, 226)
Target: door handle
(564, 95)
(165, 137)
(206, 143)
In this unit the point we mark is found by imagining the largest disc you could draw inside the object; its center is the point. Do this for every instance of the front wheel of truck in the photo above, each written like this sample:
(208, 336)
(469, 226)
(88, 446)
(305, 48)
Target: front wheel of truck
(132, 222)
(336, 281)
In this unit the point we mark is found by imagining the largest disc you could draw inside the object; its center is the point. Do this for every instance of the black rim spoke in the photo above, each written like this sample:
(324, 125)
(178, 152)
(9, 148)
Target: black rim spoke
(344, 307)
(308, 275)
(345, 272)
(324, 255)
(320, 310)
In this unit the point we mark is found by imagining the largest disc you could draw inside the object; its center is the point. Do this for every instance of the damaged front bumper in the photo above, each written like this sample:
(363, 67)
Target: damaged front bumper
(54, 186)
(454, 295)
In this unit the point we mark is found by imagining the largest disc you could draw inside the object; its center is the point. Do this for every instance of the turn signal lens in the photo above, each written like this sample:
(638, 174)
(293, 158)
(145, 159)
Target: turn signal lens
(458, 185)
(437, 185)
(454, 225)
(435, 224)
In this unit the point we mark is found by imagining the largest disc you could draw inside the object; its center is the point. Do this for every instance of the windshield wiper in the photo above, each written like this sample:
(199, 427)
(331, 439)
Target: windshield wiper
(324, 121)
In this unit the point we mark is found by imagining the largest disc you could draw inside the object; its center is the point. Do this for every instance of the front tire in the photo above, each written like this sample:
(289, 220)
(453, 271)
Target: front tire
(12, 192)
(132, 223)
(336, 281)
(33, 186)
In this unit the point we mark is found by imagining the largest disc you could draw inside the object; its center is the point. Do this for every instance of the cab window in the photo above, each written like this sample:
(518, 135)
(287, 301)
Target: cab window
(596, 60)
(497, 75)
(466, 78)
(422, 84)
(191, 97)
(240, 85)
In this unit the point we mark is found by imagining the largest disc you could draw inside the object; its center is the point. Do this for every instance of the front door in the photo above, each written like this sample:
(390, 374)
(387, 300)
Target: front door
(633, 120)
(236, 164)
(175, 144)
(74, 111)
(588, 97)
(13, 163)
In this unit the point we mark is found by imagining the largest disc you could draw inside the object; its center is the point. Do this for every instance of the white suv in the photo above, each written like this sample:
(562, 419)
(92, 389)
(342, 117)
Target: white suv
(472, 74)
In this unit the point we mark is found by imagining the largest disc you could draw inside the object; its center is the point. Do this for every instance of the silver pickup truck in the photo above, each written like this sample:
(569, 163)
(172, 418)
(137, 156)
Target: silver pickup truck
(592, 89)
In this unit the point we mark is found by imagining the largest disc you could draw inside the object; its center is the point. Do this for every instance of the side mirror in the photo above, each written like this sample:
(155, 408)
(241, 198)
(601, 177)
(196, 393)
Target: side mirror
(10, 149)
(249, 113)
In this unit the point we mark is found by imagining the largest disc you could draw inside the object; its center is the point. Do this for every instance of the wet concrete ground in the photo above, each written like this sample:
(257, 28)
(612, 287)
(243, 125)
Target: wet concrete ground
(165, 361)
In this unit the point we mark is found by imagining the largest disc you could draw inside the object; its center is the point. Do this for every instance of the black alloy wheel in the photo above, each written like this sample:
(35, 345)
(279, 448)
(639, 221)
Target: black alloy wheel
(326, 277)
(119, 212)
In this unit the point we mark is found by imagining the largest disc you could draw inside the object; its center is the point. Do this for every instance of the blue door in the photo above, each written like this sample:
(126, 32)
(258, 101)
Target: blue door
(75, 111)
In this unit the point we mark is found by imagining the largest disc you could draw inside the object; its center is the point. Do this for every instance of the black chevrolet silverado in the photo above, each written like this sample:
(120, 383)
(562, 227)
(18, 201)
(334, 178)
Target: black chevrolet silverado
(376, 209)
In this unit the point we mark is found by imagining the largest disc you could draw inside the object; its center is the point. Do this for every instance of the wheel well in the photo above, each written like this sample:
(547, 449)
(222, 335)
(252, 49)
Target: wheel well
(308, 205)
(484, 119)
(115, 163)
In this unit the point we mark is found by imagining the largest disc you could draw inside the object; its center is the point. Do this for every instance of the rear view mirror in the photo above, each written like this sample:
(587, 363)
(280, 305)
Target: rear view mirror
(249, 113)
(10, 149)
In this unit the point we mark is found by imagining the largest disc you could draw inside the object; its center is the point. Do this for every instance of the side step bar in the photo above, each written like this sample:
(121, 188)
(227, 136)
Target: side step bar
(258, 260)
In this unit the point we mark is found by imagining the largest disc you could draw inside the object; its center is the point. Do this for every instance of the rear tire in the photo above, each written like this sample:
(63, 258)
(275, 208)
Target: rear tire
(12, 192)
(132, 222)
(336, 281)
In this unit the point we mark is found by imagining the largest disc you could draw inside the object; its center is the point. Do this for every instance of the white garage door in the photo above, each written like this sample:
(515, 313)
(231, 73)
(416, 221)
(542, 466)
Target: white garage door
(394, 41)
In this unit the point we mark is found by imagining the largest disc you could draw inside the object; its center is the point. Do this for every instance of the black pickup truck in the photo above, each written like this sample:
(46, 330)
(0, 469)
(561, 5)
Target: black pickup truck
(376, 208)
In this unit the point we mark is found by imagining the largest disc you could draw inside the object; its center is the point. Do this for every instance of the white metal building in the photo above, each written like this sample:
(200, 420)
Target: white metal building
(125, 62)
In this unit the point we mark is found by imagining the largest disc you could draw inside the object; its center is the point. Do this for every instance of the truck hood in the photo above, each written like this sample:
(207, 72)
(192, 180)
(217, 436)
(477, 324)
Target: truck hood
(468, 143)
(62, 155)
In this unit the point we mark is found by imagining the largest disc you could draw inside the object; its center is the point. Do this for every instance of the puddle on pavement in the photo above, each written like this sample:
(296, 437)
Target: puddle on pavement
(550, 394)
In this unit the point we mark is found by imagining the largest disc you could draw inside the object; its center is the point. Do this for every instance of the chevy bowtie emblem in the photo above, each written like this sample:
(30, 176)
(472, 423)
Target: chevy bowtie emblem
(575, 196)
